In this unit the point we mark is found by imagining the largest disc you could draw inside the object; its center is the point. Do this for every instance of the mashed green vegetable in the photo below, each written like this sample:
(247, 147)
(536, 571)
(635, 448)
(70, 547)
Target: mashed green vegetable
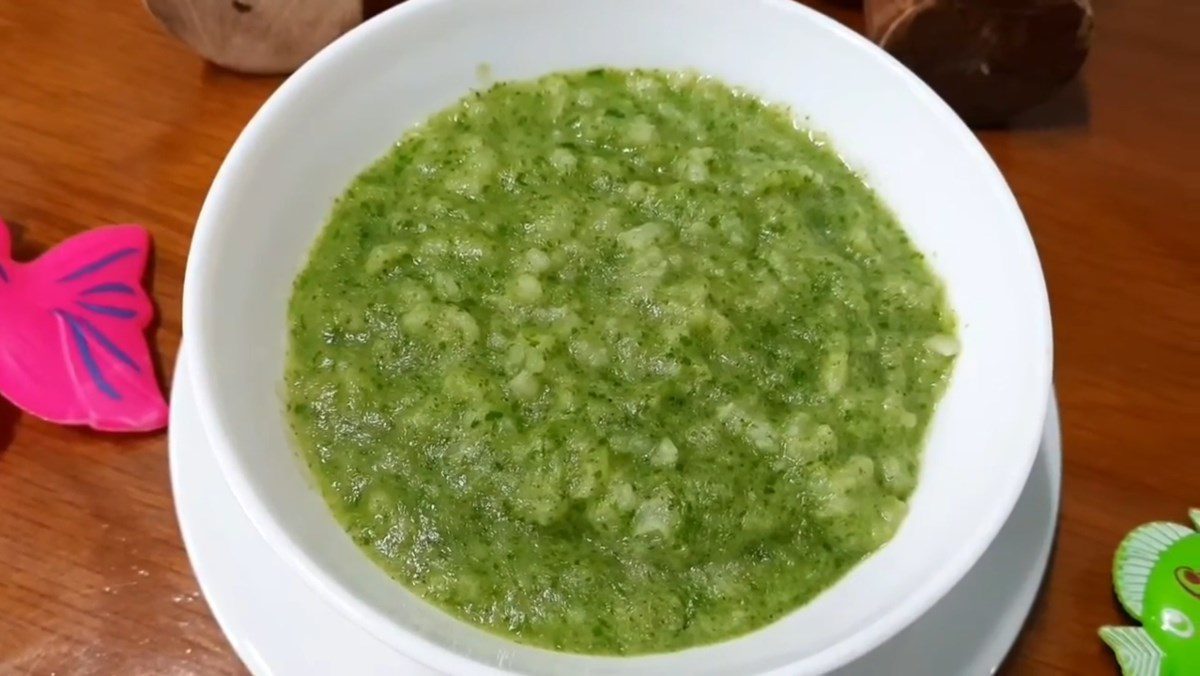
(615, 362)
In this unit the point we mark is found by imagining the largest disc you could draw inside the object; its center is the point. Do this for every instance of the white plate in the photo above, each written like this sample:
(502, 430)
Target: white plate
(278, 625)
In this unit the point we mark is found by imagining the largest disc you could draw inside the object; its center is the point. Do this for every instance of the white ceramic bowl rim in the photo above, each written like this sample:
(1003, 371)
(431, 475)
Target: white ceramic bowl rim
(203, 315)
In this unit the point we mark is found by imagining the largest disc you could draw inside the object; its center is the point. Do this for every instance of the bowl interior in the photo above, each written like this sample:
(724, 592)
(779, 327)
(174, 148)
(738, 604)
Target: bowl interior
(347, 106)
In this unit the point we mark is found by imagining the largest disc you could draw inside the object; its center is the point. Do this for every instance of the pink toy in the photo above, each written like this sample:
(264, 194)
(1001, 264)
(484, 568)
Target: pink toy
(72, 332)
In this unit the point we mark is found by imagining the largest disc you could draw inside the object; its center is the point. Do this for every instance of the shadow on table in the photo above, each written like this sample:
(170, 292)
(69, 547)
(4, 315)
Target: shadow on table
(8, 424)
(1069, 108)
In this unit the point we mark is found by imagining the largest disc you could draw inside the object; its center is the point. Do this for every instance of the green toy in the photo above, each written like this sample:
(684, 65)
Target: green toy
(1157, 577)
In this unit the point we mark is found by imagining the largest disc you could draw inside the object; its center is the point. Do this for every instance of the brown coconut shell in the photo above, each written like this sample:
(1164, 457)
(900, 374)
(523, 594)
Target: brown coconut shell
(989, 59)
(261, 36)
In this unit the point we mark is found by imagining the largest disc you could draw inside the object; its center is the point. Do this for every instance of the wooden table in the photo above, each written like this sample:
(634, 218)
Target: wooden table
(105, 119)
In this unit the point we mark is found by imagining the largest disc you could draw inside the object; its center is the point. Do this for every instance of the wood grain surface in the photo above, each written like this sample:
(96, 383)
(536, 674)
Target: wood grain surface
(104, 118)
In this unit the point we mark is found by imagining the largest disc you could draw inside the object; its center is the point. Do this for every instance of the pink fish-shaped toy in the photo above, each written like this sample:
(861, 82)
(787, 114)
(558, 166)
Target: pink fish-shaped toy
(72, 332)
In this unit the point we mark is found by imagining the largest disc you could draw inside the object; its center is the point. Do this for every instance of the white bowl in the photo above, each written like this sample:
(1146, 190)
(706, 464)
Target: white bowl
(350, 103)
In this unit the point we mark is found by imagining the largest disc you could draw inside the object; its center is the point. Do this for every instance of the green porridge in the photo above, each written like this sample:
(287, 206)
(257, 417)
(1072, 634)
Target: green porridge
(615, 362)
